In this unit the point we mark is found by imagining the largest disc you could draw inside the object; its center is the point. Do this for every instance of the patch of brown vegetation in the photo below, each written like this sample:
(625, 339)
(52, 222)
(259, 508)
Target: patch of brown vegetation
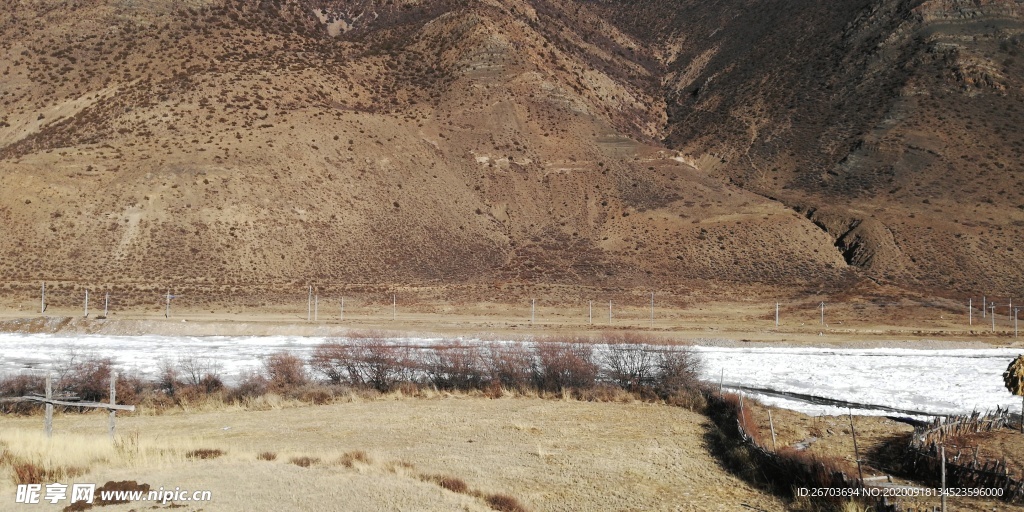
(204, 453)
(349, 459)
(304, 461)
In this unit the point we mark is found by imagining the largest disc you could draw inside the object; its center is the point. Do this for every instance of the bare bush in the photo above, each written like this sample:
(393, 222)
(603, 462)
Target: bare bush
(334, 360)
(678, 371)
(250, 385)
(168, 379)
(631, 367)
(565, 366)
(510, 366)
(285, 371)
(20, 385)
(199, 371)
(370, 360)
(455, 366)
(88, 378)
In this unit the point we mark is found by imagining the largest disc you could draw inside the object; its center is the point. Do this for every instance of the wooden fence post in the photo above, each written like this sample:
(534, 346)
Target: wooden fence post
(113, 400)
(942, 452)
(856, 451)
(48, 418)
(771, 425)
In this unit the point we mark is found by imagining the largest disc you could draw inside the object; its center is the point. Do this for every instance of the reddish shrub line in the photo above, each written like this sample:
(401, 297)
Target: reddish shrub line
(372, 361)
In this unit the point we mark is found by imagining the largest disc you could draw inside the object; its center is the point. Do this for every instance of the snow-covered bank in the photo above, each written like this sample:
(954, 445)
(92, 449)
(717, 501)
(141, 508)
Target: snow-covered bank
(930, 381)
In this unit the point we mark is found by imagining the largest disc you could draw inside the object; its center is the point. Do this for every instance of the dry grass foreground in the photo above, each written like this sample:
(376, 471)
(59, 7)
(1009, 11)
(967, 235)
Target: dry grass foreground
(548, 454)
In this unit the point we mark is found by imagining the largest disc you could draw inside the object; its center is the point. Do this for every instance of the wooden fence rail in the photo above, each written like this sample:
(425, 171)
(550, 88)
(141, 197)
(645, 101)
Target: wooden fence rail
(924, 459)
(49, 400)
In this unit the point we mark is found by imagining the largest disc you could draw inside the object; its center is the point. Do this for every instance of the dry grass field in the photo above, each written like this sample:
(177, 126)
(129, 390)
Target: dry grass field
(388, 454)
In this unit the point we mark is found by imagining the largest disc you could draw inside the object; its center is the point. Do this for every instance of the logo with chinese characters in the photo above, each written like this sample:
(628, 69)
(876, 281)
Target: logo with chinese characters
(33, 493)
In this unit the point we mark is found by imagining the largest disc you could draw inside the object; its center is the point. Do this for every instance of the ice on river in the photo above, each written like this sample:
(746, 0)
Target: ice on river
(930, 381)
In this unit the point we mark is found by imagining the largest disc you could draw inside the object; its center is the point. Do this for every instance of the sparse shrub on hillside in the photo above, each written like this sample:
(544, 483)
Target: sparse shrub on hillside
(504, 503)
(204, 453)
(304, 461)
(451, 483)
(350, 458)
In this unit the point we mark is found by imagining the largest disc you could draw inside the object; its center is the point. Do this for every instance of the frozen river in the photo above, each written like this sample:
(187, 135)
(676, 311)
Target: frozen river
(928, 381)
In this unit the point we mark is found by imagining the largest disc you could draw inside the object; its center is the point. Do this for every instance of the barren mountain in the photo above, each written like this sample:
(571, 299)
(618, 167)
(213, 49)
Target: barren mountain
(234, 143)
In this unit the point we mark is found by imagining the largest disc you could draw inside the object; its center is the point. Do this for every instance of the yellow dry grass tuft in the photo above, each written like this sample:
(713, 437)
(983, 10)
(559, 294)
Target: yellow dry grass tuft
(28, 456)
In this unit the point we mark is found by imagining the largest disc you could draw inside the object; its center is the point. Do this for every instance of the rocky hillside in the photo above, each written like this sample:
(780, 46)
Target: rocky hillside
(149, 143)
(892, 125)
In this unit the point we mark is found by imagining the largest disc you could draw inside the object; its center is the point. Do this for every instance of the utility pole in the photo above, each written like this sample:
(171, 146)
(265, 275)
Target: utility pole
(970, 312)
(992, 306)
(609, 312)
(167, 311)
(1015, 310)
(86, 314)
(106, 304)
(42, 300)
(823, 313)
(776, 314)
(652, 310)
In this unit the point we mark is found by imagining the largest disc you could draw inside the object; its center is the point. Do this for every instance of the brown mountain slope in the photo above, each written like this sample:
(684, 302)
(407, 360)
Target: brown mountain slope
(245, 143)
(894, 125)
